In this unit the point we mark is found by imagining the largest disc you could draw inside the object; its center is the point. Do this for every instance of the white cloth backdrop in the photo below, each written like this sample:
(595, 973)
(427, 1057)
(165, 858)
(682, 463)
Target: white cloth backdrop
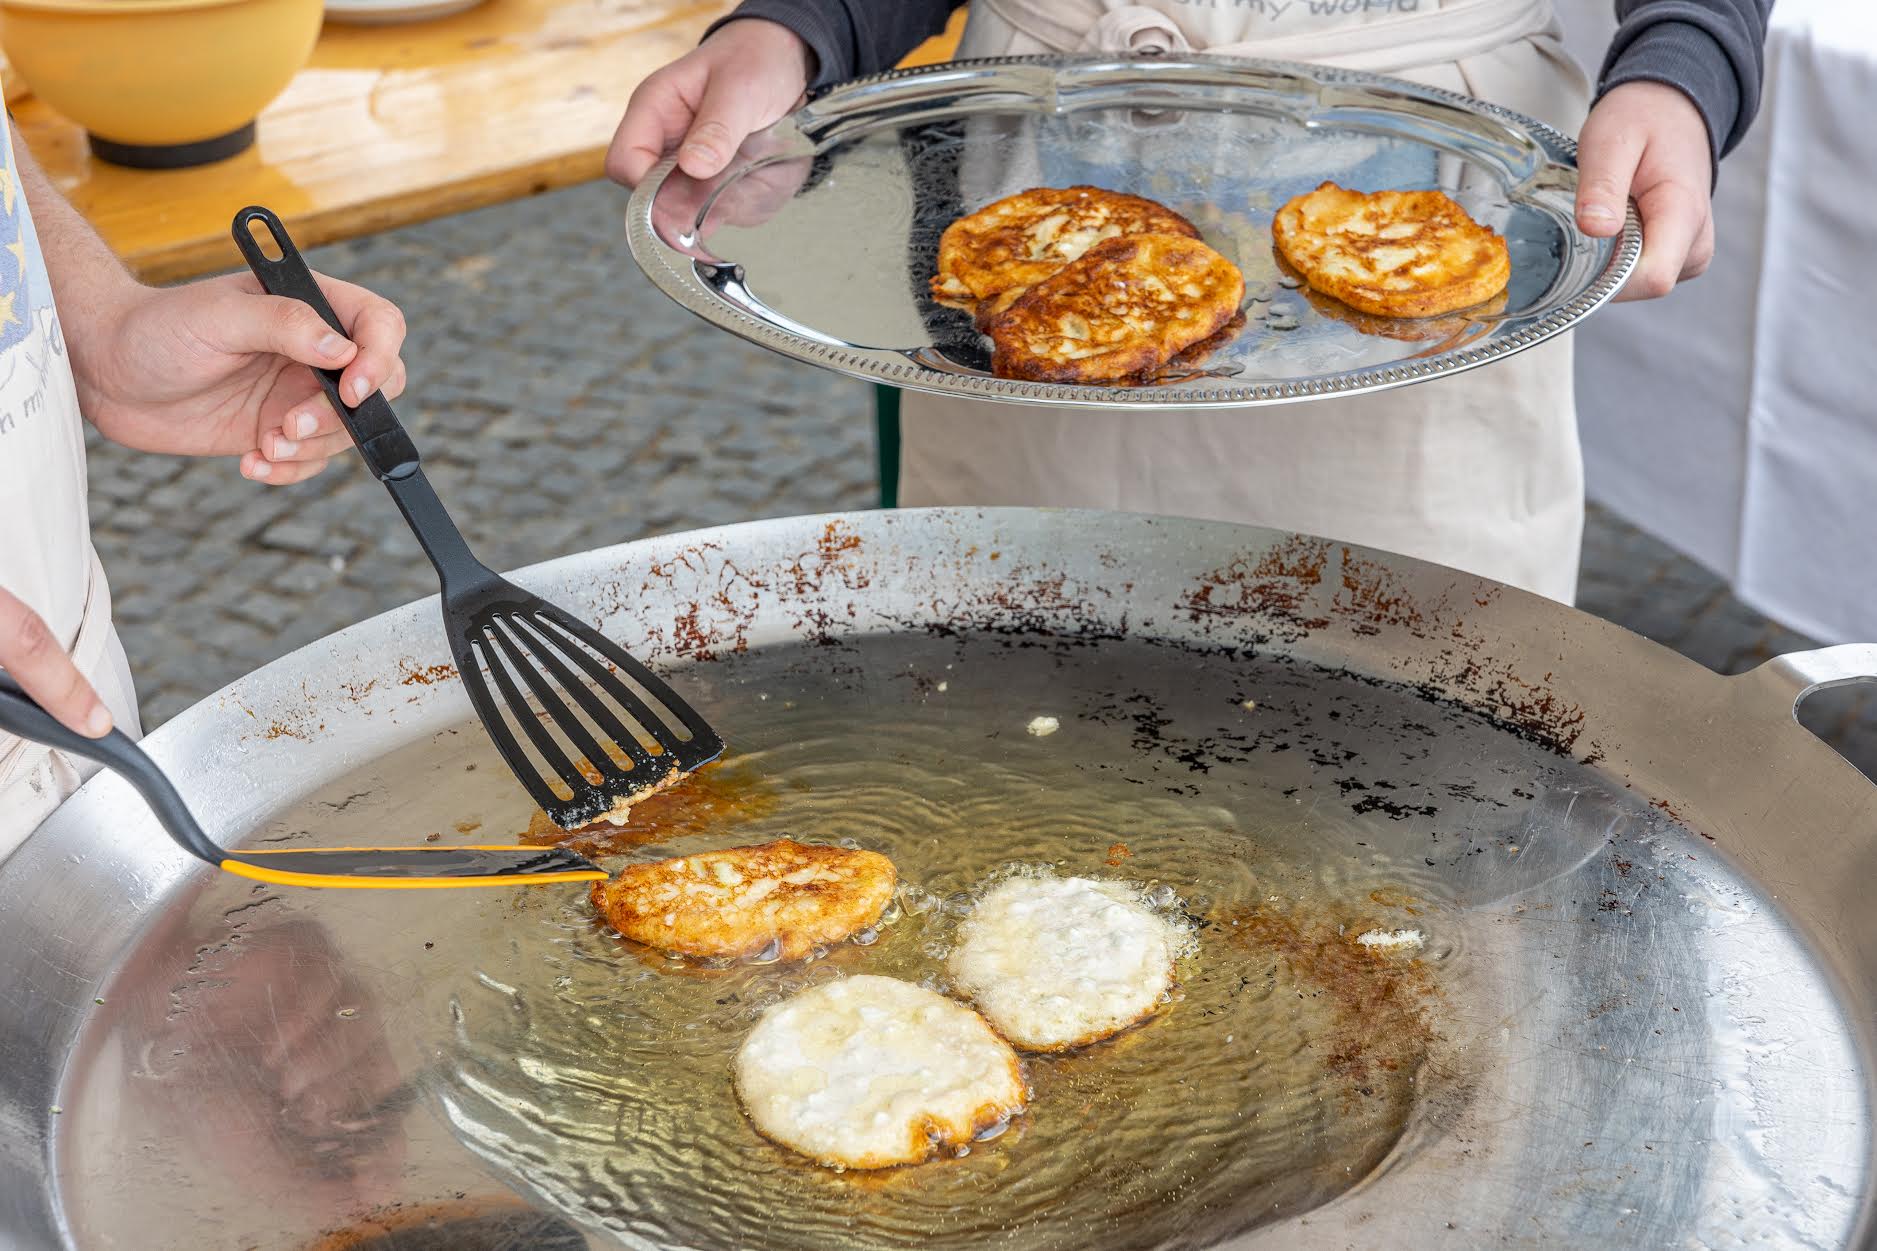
(1737, 419)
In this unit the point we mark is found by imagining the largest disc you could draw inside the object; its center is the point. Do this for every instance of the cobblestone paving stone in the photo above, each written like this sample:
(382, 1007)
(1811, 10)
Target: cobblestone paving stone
(563, 404)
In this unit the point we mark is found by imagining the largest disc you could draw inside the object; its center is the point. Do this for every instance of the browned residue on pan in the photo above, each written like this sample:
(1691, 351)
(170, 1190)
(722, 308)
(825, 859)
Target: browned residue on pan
(822, 589)
(834, 555)
(1372, 598)
(693, 630)
(1537, 710)
(1286, 594)
(301, 723)
(1282, 584)
(1669, 810)
(1380, 1005)
(415, 675)
(1118, 853)
(1276, 586)
(1023, 602)
(689, 636)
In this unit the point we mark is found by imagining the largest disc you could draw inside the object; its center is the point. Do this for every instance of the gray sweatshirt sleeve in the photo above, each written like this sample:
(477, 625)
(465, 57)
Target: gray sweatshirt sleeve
(852, 37)
(1712, 50)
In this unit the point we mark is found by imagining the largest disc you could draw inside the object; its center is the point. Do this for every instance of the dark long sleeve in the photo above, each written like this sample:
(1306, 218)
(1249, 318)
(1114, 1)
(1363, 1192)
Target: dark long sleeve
(853, 37)
(1714, 51)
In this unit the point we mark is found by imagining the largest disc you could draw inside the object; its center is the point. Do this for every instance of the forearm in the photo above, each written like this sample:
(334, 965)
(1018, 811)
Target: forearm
(1713, 51)
(89, 283)
(853, 37)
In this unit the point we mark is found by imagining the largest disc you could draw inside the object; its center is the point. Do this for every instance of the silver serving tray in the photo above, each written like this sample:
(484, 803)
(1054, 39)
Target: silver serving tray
(819, 239)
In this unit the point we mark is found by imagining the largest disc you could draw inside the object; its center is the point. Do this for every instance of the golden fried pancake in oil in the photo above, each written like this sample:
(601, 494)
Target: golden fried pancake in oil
(1392, 253)
(869, 1072)
(741, 901)
(1022, 239)
(1128, 306)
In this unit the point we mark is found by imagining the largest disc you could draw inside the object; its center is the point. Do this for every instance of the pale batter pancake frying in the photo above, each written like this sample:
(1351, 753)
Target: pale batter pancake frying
(869, 1072)
(1056, 963)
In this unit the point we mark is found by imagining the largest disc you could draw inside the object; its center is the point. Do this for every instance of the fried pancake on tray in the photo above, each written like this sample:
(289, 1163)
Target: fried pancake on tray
(1392, 253)
(1022, 239)
(989, 310)
(739, 901)
(1128, 306)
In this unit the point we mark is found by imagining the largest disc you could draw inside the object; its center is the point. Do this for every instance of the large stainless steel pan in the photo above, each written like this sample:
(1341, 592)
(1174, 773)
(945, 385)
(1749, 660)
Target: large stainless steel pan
(1651, 955)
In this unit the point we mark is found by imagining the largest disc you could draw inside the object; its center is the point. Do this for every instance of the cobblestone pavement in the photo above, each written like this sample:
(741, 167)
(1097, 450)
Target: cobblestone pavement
(563, 404)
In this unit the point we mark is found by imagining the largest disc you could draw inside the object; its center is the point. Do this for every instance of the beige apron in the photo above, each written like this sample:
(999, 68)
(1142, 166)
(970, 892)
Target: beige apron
(1481, 471)
(46, 557)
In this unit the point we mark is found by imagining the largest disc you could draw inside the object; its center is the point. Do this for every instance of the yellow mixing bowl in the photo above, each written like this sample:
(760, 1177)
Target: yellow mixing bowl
(160, 83)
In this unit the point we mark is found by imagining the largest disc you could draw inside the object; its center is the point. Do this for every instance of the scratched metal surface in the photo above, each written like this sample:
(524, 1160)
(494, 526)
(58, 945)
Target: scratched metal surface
(819, 240)
(1642, 885)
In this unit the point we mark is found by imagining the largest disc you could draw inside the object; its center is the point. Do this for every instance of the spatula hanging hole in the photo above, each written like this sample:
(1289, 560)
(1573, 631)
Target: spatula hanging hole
(264, 238)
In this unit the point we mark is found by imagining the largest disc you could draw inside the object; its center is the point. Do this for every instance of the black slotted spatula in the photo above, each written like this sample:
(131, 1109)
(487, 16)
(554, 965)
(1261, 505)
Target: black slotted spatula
(608, 728)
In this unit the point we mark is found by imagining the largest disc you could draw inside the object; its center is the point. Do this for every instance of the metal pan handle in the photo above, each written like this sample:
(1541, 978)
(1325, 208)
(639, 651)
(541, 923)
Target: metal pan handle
(1805, 672)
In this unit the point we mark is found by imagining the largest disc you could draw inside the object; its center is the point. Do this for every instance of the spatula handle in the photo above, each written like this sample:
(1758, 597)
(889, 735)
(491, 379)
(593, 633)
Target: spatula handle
(20, 714)
(381, 438)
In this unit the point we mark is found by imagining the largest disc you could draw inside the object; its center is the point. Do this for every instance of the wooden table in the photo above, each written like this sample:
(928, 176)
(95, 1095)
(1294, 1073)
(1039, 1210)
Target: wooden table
(390, 125)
